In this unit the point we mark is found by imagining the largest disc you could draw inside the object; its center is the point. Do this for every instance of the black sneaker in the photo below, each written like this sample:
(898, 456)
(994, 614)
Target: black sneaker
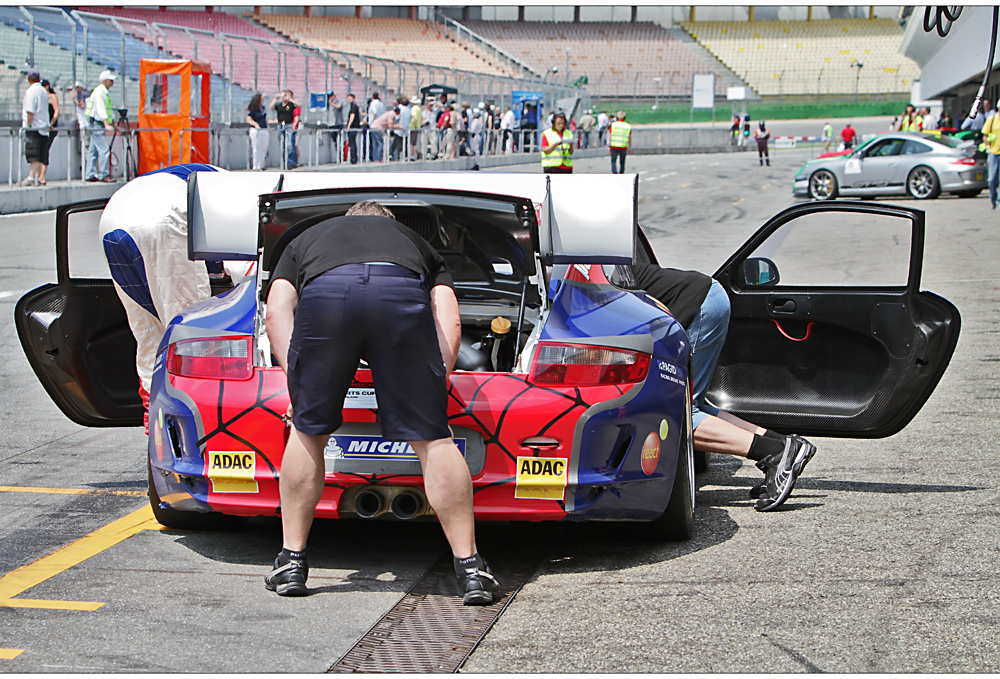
(805, 454)
(779, 475)
(477, 586)
(288, 580)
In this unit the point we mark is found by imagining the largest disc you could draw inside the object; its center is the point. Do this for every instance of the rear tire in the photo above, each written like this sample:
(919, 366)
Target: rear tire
(171, 518)
(922, 183)
(677, 520)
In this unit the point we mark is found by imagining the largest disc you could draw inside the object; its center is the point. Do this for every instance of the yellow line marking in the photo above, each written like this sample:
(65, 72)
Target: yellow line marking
(766, 186)
(24, 578)
(10, 653)
(72, 491)
(738, 202)
(643, 198)
(684, 186)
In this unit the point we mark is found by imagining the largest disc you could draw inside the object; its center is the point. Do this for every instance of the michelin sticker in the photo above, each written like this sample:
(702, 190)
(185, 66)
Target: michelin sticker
(232, 471)
(852, 166)
(359, 447)
(541, 478)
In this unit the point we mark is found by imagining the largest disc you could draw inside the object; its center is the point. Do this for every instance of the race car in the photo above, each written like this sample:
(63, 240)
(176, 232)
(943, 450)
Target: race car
(895, 164)
(571, 398)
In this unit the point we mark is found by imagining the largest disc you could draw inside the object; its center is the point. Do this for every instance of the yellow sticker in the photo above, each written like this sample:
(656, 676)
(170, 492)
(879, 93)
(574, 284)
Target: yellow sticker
(541, 478)
(664, 430)
(232, 472)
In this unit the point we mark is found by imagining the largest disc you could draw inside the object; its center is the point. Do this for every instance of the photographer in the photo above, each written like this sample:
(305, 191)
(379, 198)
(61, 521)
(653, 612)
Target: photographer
(99, 114)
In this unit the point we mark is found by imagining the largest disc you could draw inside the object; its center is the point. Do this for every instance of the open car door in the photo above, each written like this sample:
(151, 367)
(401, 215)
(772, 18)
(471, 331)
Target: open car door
(830, 334)
(75, 332)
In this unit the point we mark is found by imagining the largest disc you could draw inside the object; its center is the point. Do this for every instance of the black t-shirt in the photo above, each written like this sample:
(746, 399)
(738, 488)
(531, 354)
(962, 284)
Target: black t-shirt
(356, 240)
(356, 120)
(286, 112)
(259, 116)
(683, 292)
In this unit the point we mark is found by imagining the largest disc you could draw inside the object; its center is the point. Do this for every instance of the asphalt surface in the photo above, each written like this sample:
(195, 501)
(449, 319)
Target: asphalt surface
(883, 560)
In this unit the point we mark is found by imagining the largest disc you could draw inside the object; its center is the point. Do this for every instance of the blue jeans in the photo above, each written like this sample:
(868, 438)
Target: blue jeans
(619, 155)
(98, 154)
(377, 142)
(288, 141)
(993, 167)
(707, 335)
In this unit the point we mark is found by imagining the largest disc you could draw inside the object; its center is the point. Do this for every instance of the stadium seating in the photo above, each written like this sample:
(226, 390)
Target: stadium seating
(619, 59)
(387, 37)
(811, 57)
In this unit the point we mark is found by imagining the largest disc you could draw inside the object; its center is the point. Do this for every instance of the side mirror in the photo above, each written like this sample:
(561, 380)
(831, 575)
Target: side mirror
(760, 272)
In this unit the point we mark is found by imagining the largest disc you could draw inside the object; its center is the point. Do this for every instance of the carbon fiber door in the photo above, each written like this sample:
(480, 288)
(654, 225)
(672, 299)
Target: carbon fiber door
(830, 334)
(75, 333)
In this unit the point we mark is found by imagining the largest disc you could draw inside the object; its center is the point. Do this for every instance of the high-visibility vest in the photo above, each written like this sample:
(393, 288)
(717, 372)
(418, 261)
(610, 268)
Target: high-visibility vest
(914, 125)
(107, 104)
(559, 156)
(620, 134)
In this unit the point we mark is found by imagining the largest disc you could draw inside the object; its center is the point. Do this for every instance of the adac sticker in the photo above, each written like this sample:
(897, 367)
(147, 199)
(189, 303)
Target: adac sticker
(541, 478)
(232, 472)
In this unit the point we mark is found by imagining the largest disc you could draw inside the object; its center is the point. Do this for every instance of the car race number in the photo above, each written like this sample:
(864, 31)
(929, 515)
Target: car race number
(541, 478)
(853, 166)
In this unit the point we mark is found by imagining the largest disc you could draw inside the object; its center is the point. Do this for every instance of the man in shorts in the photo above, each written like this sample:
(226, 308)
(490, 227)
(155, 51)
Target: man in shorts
(365, 286)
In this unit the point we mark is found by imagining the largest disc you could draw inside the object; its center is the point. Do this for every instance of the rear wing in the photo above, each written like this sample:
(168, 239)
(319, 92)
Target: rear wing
(581, 218)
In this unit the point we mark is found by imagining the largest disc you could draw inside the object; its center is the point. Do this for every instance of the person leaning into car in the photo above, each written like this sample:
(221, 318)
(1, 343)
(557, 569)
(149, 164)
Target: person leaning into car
(701, 305)
(365, 286)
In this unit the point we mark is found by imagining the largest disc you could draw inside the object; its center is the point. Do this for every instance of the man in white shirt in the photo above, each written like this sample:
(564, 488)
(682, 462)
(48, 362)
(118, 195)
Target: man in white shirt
(102, 121)
(507, 127)
(603, 122)
(35, 121)
(376, 141)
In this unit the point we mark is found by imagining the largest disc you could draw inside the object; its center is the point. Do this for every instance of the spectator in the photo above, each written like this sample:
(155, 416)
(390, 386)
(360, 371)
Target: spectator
(476, 132)
(35, 121)
(827, 136)
(529, 126)
(991, 141)
(620, 143)
(929, 122)
(416, 125)
(80, 99)
(401, 136)
(507, 131)
(353, 128)
(377, 128)
(946, 122)
(285, 107)
(587, 123)
(54, 112)
(848, 136)
(259, 136)
(981, 115)
(462, 130)
(377, 142)
(431, 114)
(101, 124)
(557, 147)
(451, 119)
(603, 122)
(335, 108)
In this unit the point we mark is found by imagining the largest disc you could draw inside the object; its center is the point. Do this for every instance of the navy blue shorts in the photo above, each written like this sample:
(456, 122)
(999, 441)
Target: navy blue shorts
(382, 313)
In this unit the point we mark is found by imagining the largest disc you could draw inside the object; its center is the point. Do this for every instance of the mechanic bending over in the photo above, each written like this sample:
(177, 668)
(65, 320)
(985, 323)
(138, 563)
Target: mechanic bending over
(701, 305)
(365, 286)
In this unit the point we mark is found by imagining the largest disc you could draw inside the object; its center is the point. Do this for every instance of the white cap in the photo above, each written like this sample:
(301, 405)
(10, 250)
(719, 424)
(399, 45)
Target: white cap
(107, 75)
(78, 84)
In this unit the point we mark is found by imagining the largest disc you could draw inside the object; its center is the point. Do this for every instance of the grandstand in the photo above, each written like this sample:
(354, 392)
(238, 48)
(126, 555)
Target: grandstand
(811, 57)
(618, 58)
(399, 39)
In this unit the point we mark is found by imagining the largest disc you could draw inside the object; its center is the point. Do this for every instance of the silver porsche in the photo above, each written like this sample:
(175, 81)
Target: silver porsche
(897, 163)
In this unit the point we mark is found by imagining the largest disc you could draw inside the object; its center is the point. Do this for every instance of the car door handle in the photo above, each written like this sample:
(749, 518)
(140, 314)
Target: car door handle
(783, 306)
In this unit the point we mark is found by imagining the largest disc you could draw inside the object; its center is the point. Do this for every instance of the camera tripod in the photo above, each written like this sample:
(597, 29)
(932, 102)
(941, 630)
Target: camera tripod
(131, 170)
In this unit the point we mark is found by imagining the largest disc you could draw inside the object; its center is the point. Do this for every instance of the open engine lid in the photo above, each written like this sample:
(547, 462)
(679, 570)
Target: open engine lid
(582, 218)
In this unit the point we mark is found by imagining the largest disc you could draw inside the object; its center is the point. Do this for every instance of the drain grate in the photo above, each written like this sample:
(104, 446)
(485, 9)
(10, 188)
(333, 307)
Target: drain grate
(430, 630)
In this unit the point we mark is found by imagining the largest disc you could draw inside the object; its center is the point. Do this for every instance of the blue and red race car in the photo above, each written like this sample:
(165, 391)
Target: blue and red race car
(571, 398)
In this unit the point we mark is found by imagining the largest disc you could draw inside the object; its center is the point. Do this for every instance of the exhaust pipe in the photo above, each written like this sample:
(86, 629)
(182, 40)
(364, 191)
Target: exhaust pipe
(405, 506)
(367, 504)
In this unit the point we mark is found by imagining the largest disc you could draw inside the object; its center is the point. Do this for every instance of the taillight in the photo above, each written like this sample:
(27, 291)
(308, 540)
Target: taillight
(583, 365)
(219, 358)
(964, 161)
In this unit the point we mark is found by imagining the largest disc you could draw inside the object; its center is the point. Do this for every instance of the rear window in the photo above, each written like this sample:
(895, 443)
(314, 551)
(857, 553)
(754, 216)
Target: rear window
(950, 142)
